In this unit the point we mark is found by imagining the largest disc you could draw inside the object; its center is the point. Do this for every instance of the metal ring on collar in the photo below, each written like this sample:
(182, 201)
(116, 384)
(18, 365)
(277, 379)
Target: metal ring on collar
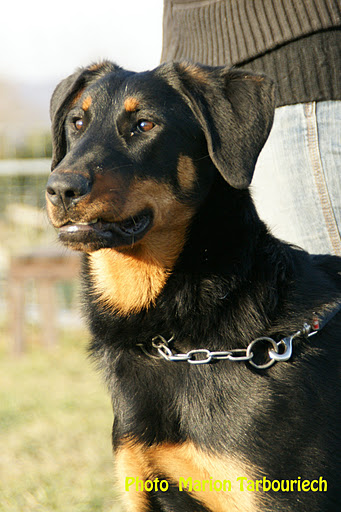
(251, 346)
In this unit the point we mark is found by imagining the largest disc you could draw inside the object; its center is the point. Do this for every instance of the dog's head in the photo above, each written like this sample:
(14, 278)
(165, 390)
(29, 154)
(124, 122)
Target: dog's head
(134, 154)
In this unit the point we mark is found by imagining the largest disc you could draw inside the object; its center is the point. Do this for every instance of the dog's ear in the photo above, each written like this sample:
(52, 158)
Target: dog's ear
(235, 109)
(63, 97)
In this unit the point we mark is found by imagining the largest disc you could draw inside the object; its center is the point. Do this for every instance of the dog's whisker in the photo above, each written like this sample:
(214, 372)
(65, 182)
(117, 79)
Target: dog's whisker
(111, 169)
(201, 158)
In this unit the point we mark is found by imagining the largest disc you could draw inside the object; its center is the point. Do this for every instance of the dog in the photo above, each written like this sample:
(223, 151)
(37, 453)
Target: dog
(219, 343)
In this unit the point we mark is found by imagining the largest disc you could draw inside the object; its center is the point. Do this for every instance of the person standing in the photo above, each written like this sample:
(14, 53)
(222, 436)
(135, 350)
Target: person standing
(297, 182)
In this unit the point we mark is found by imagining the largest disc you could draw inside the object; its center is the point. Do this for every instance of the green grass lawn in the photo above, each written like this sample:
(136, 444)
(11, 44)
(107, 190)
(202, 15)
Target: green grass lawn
(55, 431)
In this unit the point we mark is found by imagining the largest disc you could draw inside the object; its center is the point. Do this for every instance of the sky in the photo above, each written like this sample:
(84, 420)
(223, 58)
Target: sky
(44, 41)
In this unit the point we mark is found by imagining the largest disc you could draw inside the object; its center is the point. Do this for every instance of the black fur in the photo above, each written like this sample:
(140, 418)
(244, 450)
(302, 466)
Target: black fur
(232, 282)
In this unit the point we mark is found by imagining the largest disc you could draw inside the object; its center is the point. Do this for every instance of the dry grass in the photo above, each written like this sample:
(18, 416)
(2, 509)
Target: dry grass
(55, 429)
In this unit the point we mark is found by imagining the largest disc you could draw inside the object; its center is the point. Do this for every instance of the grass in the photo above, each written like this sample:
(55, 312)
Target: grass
(55, 429)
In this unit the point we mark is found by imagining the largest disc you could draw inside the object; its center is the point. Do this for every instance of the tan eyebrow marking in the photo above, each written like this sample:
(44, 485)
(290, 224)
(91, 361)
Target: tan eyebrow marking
(131, 104)
(86, 103)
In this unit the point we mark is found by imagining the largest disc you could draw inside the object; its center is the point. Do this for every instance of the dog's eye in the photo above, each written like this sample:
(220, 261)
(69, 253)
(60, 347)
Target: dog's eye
(142, 126)
(145, 126)
(79, 124)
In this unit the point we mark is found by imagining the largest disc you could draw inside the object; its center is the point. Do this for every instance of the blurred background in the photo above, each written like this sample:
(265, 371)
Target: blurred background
(55, 415)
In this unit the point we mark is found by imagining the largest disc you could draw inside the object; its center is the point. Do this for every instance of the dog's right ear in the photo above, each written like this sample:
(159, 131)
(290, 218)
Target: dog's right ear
(63, 97)
(235, 109)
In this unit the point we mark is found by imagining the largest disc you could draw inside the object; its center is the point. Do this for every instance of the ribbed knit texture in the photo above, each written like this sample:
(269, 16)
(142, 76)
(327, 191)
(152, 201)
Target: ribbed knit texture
(308, 69)
(263, 35)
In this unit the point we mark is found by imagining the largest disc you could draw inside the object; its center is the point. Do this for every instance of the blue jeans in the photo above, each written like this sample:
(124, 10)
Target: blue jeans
(297, 182)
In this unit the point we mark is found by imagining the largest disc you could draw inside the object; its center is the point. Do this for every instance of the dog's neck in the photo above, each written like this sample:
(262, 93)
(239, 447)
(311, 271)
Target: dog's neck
(125, 284)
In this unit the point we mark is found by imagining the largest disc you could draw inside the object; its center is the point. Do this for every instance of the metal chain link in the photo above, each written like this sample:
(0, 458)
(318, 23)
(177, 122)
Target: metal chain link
(278, 351)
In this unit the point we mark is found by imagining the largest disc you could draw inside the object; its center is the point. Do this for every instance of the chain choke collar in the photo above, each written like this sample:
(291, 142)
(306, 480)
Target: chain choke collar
(277, 351)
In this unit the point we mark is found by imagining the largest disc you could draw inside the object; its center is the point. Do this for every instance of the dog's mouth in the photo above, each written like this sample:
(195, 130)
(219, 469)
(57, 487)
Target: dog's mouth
(98, 233)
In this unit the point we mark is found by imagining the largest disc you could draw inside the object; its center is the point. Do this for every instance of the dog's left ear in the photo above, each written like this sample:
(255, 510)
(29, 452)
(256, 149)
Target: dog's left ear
(235, 109)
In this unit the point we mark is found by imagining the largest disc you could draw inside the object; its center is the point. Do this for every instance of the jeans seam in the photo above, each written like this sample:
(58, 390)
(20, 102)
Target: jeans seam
(319, 177)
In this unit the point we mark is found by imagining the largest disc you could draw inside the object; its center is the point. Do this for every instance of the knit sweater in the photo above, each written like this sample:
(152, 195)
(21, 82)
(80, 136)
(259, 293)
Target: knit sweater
(297, 42)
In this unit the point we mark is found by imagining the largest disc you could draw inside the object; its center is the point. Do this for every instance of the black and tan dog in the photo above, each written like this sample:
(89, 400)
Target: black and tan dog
(150, 180)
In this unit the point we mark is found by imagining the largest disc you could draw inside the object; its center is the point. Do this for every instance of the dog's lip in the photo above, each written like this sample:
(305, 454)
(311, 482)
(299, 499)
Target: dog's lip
(130, 227)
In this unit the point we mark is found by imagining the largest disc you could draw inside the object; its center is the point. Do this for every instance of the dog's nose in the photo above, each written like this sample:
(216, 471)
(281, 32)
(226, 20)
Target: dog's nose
(67, 188)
